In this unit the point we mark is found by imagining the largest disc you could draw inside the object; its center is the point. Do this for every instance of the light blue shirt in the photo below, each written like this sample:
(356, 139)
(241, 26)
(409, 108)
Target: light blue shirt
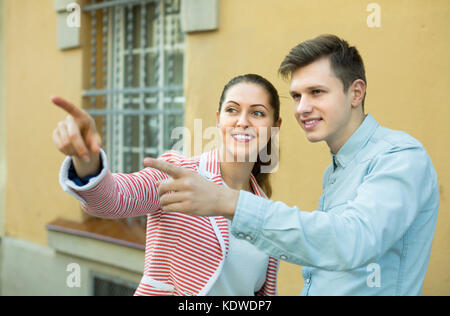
(374, 226)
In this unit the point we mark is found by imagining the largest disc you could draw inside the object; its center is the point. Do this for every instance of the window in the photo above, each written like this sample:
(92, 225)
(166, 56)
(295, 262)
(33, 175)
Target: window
(103, 285)
(135, 86)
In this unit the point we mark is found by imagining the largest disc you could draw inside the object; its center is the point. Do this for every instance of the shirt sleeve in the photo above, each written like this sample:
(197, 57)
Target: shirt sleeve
(117, 195)
(73, 176)
(72, 184)
(396, 189)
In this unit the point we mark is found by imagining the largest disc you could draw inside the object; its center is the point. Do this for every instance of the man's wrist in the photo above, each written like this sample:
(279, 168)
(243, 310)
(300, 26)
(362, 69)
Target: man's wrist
(228, 202)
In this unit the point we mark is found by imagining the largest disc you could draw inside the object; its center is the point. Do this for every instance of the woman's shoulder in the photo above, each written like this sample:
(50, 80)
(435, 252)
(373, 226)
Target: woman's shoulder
(180, 159)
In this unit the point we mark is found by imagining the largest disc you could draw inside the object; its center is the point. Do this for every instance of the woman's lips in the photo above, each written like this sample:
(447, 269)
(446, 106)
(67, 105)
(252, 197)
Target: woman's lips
(243, 138)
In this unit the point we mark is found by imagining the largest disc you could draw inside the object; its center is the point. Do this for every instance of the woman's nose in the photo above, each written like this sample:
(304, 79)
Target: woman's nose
(243, 120)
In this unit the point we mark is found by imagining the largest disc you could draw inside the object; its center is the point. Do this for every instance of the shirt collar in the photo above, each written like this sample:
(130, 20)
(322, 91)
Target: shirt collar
(356, 142)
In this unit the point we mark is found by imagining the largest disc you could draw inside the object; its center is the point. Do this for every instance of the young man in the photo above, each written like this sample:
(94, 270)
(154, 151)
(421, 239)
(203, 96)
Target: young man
(373, 229)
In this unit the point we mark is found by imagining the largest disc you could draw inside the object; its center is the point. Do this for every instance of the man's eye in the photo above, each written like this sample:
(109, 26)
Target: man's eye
(317, 91)
(296, 96)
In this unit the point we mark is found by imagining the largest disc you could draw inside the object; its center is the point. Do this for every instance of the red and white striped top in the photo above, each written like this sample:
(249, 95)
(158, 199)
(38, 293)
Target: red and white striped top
(184, 254)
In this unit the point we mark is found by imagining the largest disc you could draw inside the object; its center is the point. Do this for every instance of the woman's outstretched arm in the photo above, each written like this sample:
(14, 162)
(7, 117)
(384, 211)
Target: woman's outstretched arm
(106, 194)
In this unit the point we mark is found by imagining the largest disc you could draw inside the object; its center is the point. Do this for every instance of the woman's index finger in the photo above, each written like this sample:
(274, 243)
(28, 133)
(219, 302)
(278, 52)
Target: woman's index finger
(68, 107)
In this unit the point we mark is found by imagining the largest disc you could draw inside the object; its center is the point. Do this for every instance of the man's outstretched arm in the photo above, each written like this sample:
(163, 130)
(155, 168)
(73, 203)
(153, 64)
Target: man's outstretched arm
(188, 192)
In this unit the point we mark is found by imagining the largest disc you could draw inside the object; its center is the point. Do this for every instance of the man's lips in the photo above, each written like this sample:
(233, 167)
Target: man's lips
(310, 123)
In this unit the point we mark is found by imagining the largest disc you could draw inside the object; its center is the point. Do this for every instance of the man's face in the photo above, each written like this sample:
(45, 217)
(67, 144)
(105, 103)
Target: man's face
(322, 108)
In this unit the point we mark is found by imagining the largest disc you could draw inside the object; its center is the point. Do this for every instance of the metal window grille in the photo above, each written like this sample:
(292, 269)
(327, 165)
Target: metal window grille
(136, 77)
(103, 285)
(135, 87)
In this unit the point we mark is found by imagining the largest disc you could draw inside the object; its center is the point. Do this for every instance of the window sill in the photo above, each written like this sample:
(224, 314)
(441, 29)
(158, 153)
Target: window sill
(103, 229)
(107, 241)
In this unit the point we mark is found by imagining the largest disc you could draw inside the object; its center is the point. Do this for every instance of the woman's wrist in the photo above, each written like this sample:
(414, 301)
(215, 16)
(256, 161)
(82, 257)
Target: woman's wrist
(85, 169)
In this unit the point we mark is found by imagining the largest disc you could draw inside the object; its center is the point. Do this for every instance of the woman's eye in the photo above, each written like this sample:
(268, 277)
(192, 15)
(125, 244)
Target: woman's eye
(230, 110)
(259, 114)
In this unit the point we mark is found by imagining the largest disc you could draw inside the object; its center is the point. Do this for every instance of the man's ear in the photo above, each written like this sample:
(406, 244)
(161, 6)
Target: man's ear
(358, 91)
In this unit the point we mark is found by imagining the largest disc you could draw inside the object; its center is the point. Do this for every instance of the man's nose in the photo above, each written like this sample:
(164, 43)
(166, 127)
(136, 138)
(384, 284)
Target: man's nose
(304, 106)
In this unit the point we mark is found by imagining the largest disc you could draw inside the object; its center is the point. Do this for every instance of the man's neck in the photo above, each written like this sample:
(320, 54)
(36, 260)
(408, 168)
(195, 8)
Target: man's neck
(340, 139)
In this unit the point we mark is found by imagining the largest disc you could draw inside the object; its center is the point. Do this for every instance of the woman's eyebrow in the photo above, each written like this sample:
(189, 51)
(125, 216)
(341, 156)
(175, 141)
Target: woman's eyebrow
(259, 105)
(231, 101)
(253, 105)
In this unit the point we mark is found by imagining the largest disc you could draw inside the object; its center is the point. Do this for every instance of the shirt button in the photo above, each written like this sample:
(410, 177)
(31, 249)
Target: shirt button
(308, 281)
(241, 235)
(283, 257)
(249, 238)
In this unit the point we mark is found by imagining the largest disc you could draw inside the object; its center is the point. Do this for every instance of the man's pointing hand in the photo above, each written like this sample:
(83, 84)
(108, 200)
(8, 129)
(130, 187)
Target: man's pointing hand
(188, 192)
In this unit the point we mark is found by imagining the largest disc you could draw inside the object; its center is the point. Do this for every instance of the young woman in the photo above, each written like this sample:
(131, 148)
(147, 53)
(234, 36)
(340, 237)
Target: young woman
(185, 255)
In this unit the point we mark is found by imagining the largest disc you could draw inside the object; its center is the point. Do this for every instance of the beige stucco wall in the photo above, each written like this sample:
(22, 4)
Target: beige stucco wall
(408, 77)
(3, 65)
(36, 71)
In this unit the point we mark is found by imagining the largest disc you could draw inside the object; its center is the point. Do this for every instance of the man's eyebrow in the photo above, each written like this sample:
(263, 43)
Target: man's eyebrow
(308, 88)
(315, 87)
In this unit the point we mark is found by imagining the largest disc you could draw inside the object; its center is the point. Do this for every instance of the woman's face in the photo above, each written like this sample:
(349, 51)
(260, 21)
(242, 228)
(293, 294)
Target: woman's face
(245, 122)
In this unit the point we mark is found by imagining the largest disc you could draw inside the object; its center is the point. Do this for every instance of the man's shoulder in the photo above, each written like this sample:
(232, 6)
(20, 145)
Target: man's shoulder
(394, 145)
(387, 138)
(402, 153)
(388, 141)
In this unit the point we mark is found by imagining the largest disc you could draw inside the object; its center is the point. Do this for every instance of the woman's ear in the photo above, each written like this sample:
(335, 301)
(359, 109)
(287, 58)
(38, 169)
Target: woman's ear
(217, 118)
(278, 123)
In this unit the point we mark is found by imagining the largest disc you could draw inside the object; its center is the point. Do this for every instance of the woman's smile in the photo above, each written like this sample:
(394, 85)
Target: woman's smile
(243, 137)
